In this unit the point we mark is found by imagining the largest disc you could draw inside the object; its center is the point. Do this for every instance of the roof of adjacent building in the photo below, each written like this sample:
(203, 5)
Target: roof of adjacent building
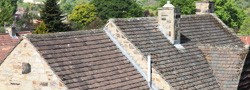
(226, 63)
(7, 44)
(188, 68)
(245, 75)
(245, 39)
(88, 60)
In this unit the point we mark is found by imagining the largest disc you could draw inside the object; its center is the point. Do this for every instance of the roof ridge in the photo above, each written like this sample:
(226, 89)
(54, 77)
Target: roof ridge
(132, 18)
(139, 18)
(194, 15)
(81, 32)
(226, 46)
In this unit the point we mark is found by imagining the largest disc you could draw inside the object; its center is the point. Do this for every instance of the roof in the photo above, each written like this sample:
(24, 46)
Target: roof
(183, 69)
(245, 39)
(245, 75)
(226, 63)
(7, 44)
(88, 60)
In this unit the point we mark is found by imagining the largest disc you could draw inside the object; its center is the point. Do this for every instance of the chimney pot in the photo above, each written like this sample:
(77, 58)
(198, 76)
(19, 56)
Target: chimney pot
(168, 2)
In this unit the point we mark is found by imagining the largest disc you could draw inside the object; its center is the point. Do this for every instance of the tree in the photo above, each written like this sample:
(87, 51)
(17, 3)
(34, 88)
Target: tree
(187, 6)
(51, 15)
(117, 8)
(7, 10)
(245, 28)
(68, 5)
(41, 29)
(25, 22)
(83, 13)
(226, 10)
(229, 13)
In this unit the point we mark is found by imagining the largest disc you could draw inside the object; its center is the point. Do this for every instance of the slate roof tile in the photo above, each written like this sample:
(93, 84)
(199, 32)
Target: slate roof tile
(186, 69)
(88, 60)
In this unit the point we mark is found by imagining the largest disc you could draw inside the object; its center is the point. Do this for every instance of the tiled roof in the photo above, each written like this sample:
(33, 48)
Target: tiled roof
(226, 62)
(88, 60)
(187, 69)
(7, 44)
(245, 75)
(245, 39)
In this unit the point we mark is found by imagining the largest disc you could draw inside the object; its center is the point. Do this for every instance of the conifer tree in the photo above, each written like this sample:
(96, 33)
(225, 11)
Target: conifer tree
(7, 10)
(51, 15)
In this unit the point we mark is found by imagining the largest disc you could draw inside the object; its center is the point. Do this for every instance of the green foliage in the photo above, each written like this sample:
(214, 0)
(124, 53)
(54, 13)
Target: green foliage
(243, 3)
(25, 22)
(245, 28)
(41, 29)
(68, 5)
(77, 26)
(83, 13)
(51, 15)
(229, 13)
(7, 10)
(2, 30)
(96, 24)
(117, 9)
(187, 6)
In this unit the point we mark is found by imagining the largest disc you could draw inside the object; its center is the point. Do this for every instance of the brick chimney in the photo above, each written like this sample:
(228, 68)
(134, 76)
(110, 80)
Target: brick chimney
(168, 20)
(204, 7)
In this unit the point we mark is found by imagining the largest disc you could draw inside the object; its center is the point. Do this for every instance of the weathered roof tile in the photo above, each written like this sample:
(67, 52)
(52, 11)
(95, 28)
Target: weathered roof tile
(88, 60)
(186, 69)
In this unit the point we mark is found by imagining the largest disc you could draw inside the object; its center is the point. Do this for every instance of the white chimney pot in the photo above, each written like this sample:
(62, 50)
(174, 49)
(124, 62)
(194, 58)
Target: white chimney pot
(168, 5)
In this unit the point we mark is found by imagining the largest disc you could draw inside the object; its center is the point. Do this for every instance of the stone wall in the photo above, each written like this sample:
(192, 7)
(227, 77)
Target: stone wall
(202, 7)
(139, 58)
(15, 75)
(166, 22)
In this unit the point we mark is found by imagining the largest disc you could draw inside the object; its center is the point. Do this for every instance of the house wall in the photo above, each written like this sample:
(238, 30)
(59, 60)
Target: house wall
(41, 76)
(139, 58)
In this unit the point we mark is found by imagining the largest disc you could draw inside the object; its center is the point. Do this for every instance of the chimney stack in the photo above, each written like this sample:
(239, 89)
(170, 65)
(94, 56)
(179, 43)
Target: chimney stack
(204, 7)
(168, 20)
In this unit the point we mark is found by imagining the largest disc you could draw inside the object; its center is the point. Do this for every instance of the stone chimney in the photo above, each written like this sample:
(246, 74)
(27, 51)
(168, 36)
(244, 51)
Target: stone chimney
(204, 7)
(168, 20)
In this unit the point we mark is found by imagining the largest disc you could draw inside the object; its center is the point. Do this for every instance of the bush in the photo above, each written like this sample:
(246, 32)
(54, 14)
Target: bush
(2, 30)
(41, 29)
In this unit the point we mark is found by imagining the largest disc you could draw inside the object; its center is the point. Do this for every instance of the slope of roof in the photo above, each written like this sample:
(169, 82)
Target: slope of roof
(186, 69)
(88, 60)
(7, 44)
(245, 75)
(226, 63)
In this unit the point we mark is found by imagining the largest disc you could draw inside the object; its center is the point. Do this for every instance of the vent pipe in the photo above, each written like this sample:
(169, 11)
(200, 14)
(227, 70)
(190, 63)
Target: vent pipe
(149, 71)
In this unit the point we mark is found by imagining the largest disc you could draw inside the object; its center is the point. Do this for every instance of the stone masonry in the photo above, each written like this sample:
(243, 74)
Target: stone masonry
(40, 77)
(139, 58)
